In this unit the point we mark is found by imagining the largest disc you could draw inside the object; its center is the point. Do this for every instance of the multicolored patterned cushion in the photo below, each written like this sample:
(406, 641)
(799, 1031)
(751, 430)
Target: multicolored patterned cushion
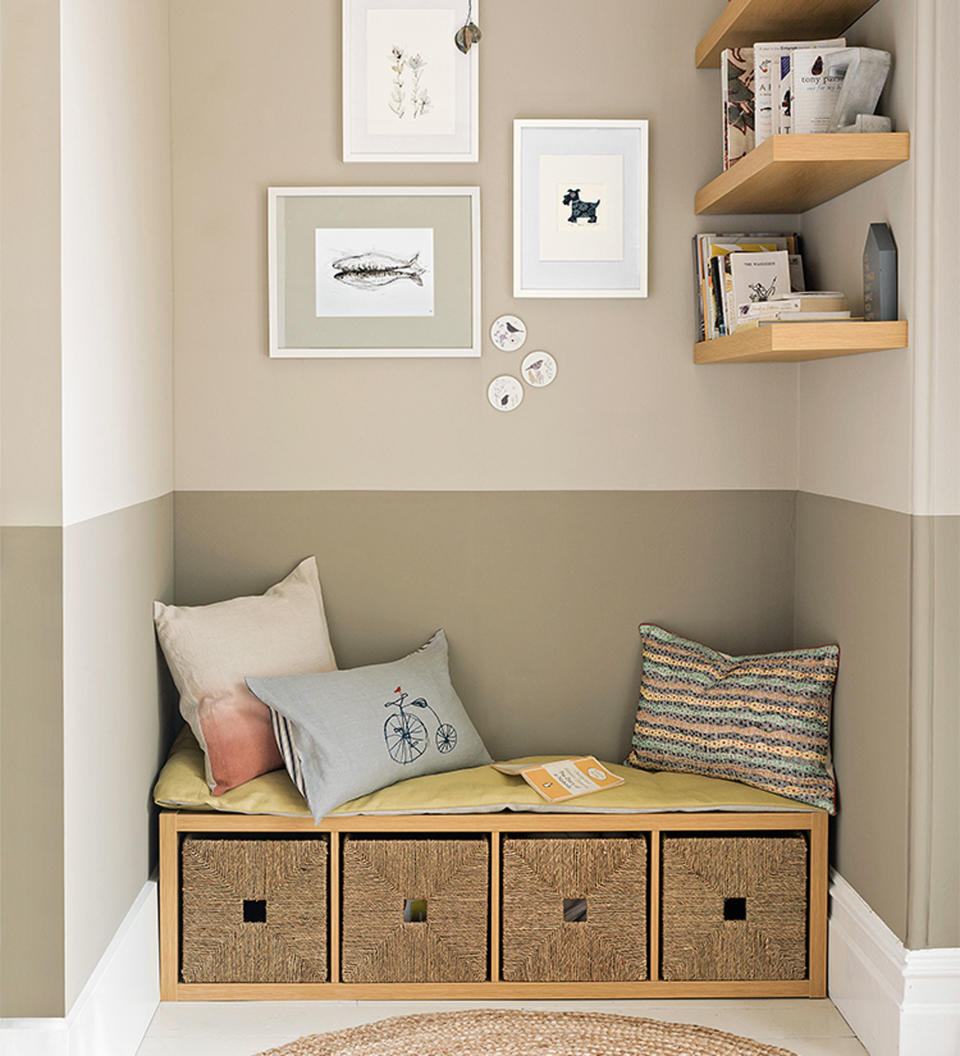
(763, 720)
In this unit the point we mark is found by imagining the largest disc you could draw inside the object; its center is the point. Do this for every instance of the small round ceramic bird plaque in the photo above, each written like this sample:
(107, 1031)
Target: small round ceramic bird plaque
(505, 393)
(538, 369)
(508, 333)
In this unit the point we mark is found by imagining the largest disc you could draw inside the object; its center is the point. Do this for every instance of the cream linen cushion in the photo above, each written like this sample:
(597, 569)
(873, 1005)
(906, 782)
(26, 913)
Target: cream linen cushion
(210, 649)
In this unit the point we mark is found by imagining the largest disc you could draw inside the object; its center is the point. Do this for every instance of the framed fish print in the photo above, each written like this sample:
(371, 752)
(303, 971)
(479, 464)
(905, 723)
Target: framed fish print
(580, 208)
(365, 272)
(409, 92)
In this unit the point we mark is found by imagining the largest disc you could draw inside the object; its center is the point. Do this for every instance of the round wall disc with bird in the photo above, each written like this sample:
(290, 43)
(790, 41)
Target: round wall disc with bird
(508, 333)
(538, 369)
(505, 393)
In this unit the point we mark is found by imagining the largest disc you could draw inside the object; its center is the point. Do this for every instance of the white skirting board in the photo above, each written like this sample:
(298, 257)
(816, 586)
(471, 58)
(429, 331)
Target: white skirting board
(114, 1009)
(899, 1002)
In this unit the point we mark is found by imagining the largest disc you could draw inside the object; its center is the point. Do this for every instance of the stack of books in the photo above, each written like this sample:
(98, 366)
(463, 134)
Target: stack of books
(745, 281)
(812, 306)
(777, 87)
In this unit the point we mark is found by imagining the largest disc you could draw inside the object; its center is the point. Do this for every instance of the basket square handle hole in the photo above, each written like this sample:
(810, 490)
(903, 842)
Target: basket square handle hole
(575, 910)
(254, 911)
(415, 911)
(734, 909)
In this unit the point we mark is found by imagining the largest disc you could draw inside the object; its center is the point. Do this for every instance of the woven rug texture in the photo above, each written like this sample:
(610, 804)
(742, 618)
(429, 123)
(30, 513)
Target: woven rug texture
(517, 1033)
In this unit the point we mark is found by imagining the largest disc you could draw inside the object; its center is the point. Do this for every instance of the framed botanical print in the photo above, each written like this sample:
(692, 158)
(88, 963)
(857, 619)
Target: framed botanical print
(580, 208)
(409, 94)
(364, 272)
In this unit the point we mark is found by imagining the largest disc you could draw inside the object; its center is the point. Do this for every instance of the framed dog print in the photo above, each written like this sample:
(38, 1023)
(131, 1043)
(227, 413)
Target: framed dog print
(363, 272)
(580, 208)
(409, 93)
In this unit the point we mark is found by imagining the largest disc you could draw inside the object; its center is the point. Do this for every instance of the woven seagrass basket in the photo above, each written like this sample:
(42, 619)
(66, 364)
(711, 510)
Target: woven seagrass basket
(734, 907)
(254, 910)
(574, 910)
(414, 911)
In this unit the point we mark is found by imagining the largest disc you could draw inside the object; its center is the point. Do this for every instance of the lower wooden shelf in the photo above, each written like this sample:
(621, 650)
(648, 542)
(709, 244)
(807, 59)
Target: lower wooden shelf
(797, 342)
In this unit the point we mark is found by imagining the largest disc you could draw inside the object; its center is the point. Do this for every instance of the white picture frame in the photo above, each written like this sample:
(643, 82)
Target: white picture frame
(324, 259)
(448, 83)
(594, 246)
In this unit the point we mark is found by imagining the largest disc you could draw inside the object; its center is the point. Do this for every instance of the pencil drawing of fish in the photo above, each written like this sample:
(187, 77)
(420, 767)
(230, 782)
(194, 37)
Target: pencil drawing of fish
(369, 271)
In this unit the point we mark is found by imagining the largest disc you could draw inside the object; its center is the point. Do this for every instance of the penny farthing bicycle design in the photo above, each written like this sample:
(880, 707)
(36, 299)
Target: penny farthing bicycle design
(406, 734)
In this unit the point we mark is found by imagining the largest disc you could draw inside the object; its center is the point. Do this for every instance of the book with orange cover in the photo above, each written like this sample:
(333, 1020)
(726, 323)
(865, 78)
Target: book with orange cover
(564, 779)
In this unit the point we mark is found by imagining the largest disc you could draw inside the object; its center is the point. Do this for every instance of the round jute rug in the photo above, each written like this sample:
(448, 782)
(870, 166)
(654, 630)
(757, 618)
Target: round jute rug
(504, 1032)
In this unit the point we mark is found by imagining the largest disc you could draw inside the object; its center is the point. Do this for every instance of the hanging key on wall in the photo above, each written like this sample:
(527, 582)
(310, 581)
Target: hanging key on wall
(469, 33)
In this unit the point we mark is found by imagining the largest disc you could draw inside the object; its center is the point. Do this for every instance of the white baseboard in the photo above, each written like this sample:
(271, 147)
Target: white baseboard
(899, 1002)
(114, 1009)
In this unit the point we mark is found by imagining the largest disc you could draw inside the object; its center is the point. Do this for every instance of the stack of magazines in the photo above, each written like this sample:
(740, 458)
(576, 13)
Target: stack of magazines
(745, 281)
(775, 88)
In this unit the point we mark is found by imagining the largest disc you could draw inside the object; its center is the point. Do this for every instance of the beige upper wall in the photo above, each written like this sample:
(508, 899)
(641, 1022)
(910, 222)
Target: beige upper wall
(256, 102)
(116, 256)
(30, 451)
(855, 423)
(937, 151)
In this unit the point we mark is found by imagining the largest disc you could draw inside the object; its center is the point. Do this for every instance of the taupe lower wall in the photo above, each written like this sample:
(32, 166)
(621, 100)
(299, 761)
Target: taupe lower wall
(118, 718)
(886, 585)
(87, 716)
(853, 586)
(31, 773)
(935, 848)
(540, 593)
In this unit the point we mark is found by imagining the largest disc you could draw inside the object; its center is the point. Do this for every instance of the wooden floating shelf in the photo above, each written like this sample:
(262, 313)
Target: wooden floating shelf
(798, 342)
(744, 22)
(791, 174)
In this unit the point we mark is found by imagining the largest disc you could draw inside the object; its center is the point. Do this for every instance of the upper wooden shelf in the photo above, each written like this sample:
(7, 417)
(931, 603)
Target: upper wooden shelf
(791, 174)
(744, 22)
(798, 342)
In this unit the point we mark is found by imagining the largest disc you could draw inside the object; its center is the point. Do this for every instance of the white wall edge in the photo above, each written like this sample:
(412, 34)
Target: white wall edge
(899, 1002)
(114, 1009)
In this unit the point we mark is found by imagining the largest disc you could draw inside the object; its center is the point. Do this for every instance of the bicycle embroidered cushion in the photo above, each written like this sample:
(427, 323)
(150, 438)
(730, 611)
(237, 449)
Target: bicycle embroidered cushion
(360, 730)
(763, 720)
(209, 649)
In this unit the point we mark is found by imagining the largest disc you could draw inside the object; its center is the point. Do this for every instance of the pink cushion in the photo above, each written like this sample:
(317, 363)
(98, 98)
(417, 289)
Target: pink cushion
(211, 648)
(239, 737)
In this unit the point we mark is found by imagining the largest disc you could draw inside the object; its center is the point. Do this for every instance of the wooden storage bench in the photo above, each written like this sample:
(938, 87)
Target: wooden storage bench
(504, 905)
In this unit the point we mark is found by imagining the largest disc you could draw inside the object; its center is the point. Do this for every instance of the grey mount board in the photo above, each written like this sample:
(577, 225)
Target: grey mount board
(880, 275)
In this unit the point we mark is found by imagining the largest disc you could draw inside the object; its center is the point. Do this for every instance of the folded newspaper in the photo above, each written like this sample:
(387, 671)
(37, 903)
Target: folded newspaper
(564, 779)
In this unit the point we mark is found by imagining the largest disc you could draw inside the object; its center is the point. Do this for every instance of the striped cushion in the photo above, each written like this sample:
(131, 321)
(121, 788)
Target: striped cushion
(763, 720)
(283, 731)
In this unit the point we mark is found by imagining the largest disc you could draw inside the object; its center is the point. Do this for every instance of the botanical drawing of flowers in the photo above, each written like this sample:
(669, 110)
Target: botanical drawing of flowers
(421, 97)
(397, 92)
(420, 102)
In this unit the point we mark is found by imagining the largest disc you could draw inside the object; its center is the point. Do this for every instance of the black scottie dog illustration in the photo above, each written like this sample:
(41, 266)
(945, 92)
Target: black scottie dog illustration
(580, 209)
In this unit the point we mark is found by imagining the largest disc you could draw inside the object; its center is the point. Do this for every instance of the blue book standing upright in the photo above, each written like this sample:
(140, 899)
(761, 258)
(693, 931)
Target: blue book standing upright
(880, 275)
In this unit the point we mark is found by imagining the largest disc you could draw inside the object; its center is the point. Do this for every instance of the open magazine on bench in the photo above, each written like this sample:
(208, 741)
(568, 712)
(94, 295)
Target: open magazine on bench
(564, 779)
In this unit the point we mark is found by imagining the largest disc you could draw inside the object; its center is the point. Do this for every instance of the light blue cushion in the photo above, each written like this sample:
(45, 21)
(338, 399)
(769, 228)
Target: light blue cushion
(359, 730)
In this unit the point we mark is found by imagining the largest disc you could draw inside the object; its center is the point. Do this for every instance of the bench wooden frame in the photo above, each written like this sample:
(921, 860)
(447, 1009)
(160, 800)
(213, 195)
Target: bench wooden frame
(175, 824)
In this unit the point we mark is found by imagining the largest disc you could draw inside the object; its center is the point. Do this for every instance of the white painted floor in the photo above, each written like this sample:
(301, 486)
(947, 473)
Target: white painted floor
(807, 1028)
